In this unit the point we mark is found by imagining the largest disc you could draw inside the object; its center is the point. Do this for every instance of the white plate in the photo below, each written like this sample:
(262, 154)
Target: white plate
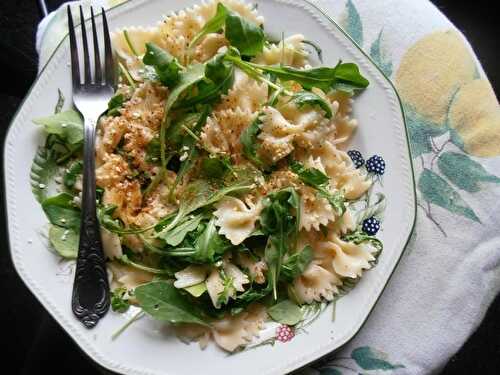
(146, 348)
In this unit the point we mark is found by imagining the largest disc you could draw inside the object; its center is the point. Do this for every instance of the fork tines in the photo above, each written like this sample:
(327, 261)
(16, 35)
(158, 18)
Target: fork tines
(97, 76)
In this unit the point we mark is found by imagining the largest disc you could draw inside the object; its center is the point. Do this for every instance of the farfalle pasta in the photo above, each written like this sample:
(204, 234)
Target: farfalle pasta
(224, 188)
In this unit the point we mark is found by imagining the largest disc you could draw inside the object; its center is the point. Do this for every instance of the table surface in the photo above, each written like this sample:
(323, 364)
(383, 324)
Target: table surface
(35, 344)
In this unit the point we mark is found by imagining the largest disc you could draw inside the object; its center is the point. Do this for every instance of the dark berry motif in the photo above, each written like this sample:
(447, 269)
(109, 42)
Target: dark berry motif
(371, 226)
(375, 165)
(284, 333)
(356, 158)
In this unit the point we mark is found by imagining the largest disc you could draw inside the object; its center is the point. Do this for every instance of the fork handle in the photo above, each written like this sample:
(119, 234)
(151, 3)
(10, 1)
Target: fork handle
(90, 300)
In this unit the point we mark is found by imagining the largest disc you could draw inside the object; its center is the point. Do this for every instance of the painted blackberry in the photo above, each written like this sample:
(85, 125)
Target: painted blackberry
(375, 165)
(371, 226)
(356, 158)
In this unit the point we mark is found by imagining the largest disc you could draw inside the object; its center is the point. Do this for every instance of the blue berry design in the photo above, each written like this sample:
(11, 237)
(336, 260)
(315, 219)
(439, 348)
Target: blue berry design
(356, 158)
(371, 226)
(376, 165)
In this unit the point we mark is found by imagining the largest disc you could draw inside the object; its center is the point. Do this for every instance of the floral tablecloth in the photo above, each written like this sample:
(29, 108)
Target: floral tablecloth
(450, 271)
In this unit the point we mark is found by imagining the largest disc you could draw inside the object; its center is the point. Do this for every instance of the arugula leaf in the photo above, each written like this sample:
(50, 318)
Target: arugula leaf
(244, 35)
(286, 312)
(114, 104)
(60, 101)
(318, 180)
(280, 220)
(215, 167)
(197, 290)
(248, 139)
(64, 241)
(219, 77)
(166, 66)
(176, 235)
(305, 98)
(209, 244)
(360, 237)
(296, 264)
(118, 302)
(165, 302)
(68, 125)
(213, 25)
(42, 171)
(348, 74)
(105, 215)
(310, 176)
(155, 271)
(61, 211)
(193, 74)
(72, 173)
(189, 144)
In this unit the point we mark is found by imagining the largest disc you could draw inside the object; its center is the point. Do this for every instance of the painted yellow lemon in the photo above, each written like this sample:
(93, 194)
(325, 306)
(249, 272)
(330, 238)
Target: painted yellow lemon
(431, 71)
(475, 115)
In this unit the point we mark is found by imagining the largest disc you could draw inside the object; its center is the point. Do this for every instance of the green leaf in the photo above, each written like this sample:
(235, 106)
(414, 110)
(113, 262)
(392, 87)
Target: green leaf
(352, 23)
(215, 167)
(370, 359)
(359, 237)
(318, 180)
(118, 302)
(114, 104)
(421, 131)
(60, 102)
(164, 302)
(307, 98)
(193, 74)
(464, 172)
(280, 220)
(213, 25)
(437, 191)
(68, 125)
(244, 35)
(72, 173)
(61, 211)
(380, 58)
(219, 78)
(209, 244)
(286, 312)
(64, 241)
(197, 290)
(349, 74)
(105, 215)
(310, 176)
(248, 140)
(189, 143)
(176, 235)
(296, 264)
(43, 169)
(166, 66)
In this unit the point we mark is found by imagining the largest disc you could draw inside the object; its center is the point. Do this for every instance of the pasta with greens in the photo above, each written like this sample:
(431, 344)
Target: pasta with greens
(224, 186)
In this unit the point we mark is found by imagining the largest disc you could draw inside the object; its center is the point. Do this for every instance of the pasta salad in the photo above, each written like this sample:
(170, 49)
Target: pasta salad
(226, 196)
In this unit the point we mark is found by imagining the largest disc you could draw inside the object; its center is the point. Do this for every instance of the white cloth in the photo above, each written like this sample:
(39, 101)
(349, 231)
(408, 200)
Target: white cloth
(450, 271)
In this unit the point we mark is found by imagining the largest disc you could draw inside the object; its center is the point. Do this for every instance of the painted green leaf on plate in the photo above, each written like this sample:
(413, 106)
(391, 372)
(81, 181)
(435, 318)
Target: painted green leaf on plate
(352, 23)
(438, 191)
(421, 131)
(378, 55)
(370, 359)
(464, 172)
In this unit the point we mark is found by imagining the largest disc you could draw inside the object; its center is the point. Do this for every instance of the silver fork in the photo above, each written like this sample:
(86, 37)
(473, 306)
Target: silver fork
(90, 300)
